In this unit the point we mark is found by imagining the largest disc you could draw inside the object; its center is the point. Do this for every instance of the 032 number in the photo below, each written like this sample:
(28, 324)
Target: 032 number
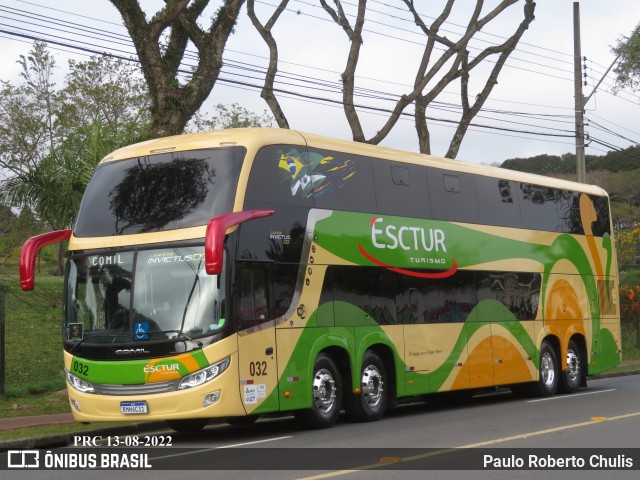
(258, 369)
(80, 368)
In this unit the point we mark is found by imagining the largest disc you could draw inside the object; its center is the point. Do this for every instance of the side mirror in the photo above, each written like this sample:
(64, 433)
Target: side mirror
(30, 250)
(216, 231)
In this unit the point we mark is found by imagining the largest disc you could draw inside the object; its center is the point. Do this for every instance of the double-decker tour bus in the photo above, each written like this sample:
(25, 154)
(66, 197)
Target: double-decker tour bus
(234, 273)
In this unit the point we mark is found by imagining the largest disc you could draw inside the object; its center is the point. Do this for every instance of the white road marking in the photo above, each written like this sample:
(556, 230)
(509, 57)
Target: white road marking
(223, 446)
(253, 443)
(444, 451)
(560, 397)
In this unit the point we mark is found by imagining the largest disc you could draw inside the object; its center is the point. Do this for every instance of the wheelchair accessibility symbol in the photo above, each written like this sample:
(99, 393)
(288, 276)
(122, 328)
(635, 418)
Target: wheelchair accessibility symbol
(141, 331)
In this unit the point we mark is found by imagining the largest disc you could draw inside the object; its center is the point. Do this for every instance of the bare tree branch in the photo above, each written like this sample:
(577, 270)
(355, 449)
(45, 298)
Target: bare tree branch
(173, 103)
(349, 74)
(470, 111)
(434, 72)
(267, 92)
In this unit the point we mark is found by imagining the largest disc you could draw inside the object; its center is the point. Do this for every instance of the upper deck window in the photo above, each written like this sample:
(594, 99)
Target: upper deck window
(160, 192)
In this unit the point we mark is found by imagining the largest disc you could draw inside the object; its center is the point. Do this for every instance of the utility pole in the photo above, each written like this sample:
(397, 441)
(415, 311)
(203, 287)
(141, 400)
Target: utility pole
(579, 98)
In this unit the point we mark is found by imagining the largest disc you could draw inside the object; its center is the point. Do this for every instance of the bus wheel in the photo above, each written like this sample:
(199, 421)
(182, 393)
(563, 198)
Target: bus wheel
(193, 425)
(571, 379)
(326, 395)
(371, 403)
(547, 384)
(242, 421)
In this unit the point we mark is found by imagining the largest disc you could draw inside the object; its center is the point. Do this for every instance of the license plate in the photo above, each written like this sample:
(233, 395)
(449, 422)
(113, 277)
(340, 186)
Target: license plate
(133, 408)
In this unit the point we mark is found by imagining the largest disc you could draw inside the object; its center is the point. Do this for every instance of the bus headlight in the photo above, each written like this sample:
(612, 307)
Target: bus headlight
(205, 375)
(79, 384)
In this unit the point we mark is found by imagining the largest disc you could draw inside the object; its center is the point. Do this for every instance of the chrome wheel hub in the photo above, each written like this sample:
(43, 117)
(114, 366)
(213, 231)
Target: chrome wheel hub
(547, 369)
(324, 391)
(573, 366)
(372, 386)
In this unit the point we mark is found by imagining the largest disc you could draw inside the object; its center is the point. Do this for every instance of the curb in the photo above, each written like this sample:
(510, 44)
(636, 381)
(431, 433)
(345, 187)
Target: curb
(66, 439)
(612, 375)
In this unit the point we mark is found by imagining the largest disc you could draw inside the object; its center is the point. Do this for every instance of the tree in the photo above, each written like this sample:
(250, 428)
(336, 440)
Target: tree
(627, 51)
(14, 228)
(27, 132)
(434, 73)
(161, 44)
(230, 116)
(53, 188)
(109, 91)
(53, 139)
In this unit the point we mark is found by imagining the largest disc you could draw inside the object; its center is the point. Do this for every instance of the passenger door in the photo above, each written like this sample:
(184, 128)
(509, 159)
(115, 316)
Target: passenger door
(258, 371)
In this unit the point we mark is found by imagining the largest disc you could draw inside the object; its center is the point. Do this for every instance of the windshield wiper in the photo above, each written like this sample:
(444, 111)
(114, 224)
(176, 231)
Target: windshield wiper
(76, 345)
(91, 334)
(182, 334)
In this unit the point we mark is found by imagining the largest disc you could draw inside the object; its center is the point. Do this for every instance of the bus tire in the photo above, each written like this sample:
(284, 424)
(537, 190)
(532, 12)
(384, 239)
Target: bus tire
(372, 401)
(192, 425)
(326, 395)
(572, 377)
(549, 375)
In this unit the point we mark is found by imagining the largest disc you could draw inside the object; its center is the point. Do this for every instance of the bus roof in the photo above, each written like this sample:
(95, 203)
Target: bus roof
(255, 138)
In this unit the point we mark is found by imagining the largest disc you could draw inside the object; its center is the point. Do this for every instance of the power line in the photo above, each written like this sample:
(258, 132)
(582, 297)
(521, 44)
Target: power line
(289, 80)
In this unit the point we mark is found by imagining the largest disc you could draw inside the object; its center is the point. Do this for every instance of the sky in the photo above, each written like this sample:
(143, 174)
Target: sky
(530, 112)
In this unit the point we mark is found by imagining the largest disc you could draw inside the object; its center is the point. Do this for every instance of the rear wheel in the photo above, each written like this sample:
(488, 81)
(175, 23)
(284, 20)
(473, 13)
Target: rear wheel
(547, 383)
(192, 425)
(571, 378)
(371, 403)
(326, 395)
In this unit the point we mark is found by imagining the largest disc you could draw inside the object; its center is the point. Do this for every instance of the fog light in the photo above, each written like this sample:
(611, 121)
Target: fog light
(74, 404)
(211, 398)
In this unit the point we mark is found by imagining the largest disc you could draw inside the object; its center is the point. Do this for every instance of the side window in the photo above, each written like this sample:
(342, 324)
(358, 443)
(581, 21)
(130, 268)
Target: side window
(401, 189)
(282, 278)
(429, 300)
(252, 303)
(278, 238)
(342, 181)
(449, 300)
(453, 196)
(498, 202)
(519, 292)
(602, 225)
(281, 174)
(547, 208)
(371, 289)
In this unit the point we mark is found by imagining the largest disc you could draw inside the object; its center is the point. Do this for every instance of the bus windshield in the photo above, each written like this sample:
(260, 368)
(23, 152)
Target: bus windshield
(145, 295)
(159, 192)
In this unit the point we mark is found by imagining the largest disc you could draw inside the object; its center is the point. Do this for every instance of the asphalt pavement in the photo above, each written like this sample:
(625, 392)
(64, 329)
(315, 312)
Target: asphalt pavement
(66, 438)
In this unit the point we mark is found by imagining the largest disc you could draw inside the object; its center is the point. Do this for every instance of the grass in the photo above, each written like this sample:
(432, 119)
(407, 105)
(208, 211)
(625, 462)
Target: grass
(31, 433)
(44, 404)
(33, 335)
(13, 405)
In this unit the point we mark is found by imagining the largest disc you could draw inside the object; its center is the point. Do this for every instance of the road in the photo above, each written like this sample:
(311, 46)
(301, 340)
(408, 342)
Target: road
(605, 417)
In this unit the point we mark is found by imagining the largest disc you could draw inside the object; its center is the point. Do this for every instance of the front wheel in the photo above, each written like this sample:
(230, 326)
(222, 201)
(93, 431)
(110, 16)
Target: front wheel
(326, 395)
(571, 378)
(372, 400)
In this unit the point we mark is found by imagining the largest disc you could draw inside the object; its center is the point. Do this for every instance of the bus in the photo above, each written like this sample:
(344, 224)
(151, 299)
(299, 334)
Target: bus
(235, 273)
